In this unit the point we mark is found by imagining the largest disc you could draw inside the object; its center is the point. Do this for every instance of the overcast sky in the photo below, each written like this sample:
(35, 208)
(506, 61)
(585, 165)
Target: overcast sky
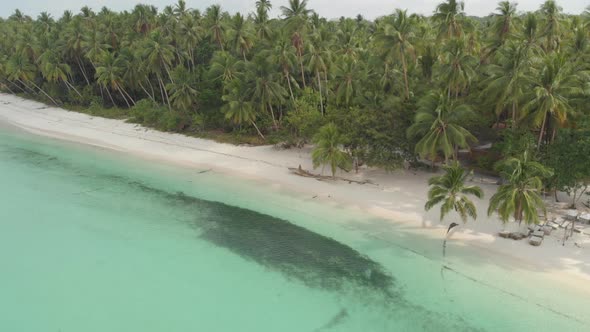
(326, 8)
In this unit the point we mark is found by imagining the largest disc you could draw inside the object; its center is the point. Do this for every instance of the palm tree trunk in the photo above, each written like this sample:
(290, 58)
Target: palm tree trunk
(72, 87)
(513, 114)
(122, 95)
(165, 93)
(542, 131)
(82, 70)
(405, 69)
(288, 78)
(320, 88)
(128, 95)
(6, 86)
(147, 93)
(302, 71)
(110, 96)
(258, 130)
(48, 96)
(272, 113)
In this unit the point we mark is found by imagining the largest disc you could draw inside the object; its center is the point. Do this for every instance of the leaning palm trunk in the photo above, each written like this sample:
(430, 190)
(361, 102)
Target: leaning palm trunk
(41, 90)
(147, 93)
(542, 131)
(320, 89)
(258, 130)
(288, 78)
(122, 95)
(272, 114)
(405, 68)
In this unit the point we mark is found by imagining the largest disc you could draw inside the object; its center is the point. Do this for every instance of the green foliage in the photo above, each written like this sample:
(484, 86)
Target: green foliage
(438, 122)
(328, 151)
(244, 75)
(569, 157)
(450, 191)
(305, 119)
(520, 197)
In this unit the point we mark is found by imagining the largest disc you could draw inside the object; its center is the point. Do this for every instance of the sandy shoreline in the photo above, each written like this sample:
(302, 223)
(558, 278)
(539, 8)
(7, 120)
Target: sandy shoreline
(397, 196)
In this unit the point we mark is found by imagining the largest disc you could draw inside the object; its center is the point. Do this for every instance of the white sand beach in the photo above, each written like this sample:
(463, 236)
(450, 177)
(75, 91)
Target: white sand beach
(397, 196)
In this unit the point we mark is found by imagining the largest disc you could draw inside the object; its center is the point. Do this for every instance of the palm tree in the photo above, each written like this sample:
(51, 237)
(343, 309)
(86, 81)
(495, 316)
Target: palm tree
(395, 38)
(319, 56)
(226, 68)
(18, 68)
(284, 54)
(158, 55)
(502, 25)
(296, 15)
(241, 37)
(216, 23)
(53, 71)
(508, 81)
(349, 75)
(450, 190)
(266, 90)
(182, 93)
(261, 21)
(438, 125)
(109, 74)
(458, 66)
(449, 17)
(190, 34)
(238, 108)
(552, 15)
(327, 149)
(552, 87)
(520, 197)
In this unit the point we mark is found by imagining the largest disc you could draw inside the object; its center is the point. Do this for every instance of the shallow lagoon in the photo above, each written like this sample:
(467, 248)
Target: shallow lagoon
(95, 241)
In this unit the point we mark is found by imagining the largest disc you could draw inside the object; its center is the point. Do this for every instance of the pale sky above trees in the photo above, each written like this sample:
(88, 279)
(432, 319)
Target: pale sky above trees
(326, 8)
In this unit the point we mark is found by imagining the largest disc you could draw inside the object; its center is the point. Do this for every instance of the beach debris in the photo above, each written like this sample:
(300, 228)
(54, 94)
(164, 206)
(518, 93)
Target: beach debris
(304, 173)
(536, 240)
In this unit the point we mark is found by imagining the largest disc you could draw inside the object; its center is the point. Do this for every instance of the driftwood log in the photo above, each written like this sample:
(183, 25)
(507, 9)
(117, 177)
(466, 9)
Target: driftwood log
(304, 173)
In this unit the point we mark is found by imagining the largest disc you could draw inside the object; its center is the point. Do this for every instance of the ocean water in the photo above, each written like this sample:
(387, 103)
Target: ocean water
(91, 240)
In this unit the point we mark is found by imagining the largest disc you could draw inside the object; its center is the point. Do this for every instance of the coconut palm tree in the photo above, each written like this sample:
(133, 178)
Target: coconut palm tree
(181, 91)
(226, 68)
(284, 54)
(349, 76)
(457, 66)
(53, 71)
(395, 38)
(502, 26)
(328, 151)
(158, 55)
(238, 108)
(296, 20)
(240, 36)
(450, 190)
(508, 78)
(450, 17)
(266, 89)
(319, 56)
(216, 24)
(190, 34)
(438, 127)
(552, 31)
(18, 68)
(520, 197)
(549, 98)
(109, 74)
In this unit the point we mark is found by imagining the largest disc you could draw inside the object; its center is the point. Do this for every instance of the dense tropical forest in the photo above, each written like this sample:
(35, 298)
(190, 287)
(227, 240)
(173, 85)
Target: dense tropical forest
(404, 87)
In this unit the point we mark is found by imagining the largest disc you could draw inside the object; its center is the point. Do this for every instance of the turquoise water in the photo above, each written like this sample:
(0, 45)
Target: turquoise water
(95, 241)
